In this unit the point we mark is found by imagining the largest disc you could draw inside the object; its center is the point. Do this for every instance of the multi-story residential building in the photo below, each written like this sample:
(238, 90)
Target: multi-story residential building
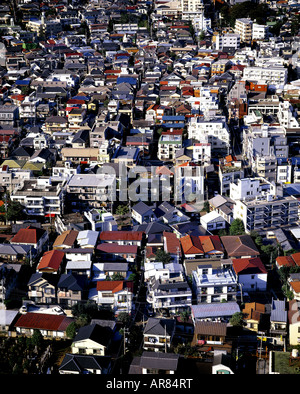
(251, 188)
(214, 284)
(287, 116)
(220, 66)
(263, 213)
(168, 144)
(90, 190)
(115, 294)
(243, 27)
(213, 131)
(191, 9)
(274, 76)
(170, 294)
(264, 145)
(259, 32)
(158, 334)
(39, 197)
(265, 106)
(9, 114)
(229, 172)
(80, 155)
(201, 153)
(75, 118)
(27, 109)
(10, 178)
(189, 183)
(42, 288)
(225, 41)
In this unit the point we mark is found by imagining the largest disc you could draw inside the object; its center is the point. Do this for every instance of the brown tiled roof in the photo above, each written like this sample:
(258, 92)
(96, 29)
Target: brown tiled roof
(43, 321)
(67, 238)
(114, 285)
(253, 310)
(172, 243)
(210, 328)
(121, 235)
(239, 245)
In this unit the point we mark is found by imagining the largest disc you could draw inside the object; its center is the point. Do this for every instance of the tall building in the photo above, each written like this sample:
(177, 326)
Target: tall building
(243, 27)
(192, 9)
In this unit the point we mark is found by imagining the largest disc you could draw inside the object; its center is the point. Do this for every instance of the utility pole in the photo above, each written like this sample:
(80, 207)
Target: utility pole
(124, 339)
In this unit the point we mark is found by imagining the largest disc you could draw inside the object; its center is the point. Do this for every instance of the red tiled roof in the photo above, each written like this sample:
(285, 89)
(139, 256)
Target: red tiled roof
(296, 258)
(210, 243)
(191, 244)
(51, 260)
(28, 235)
(172, 243)
(114, 285)
(44, 321)
(248, 266)
(285, 261)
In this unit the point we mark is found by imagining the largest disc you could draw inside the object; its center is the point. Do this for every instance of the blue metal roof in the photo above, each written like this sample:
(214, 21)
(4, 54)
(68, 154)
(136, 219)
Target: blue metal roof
(178, 118)
(215, 310)
(173, 125)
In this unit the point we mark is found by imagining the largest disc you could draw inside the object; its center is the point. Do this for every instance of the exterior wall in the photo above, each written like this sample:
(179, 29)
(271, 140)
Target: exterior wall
(88, 347)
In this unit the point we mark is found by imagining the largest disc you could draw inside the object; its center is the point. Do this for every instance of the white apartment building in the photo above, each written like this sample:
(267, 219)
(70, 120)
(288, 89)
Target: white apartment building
(287, 116)
(262, 213)
(263, 141)
(249, 188)
(202, 153)
(243, 27)
(259, 32)
(207, 102)
(214, 284)
(85, 191)
(284, 173)
(191, 9)
(168, 145)
(275, 76)
(39, 197)
(228, 40)
(172, 294)
(214, 131)
(228, 174)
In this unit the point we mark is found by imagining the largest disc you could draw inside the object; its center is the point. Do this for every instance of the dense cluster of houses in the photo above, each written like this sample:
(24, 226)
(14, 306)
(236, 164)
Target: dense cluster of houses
(134, 134)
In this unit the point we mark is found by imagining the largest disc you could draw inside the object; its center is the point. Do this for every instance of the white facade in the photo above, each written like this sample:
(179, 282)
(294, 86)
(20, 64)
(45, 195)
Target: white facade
(212, 221)
(213, 131)
(231, 40)
(259, 32)
(274, 76)
(243, 27)
(214, 285)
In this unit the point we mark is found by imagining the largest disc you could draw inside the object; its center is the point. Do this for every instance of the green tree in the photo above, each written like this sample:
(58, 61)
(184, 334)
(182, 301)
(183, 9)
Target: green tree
(124, 318)
(122, 210)
(237, 227)
(162, 256)
(37, 339)
(237, 320)
(71, 330)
